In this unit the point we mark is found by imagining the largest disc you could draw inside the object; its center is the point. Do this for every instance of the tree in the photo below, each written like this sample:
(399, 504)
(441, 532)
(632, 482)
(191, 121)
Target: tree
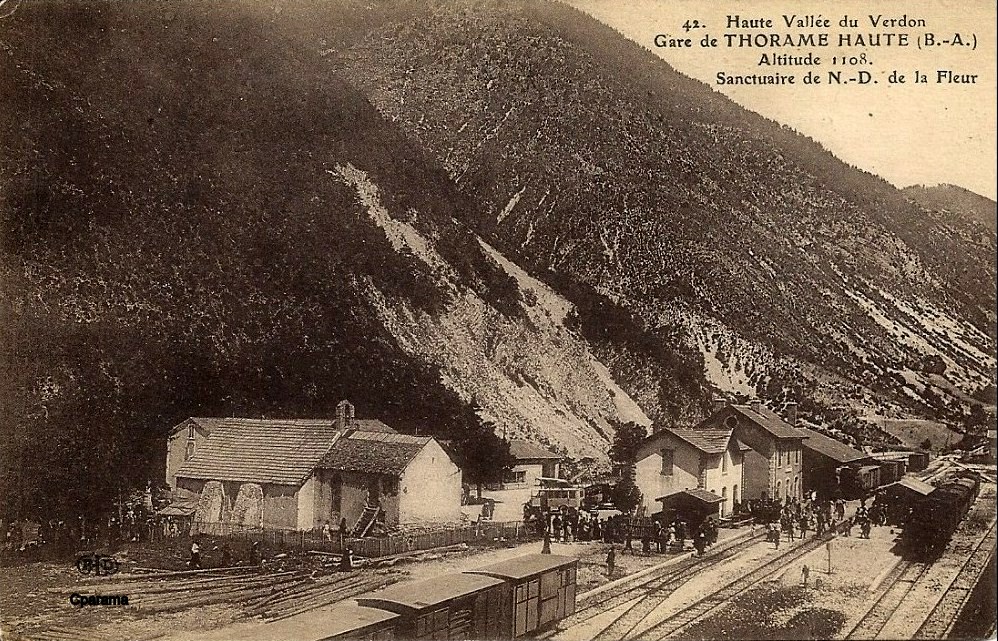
(626, 440)
(926, 445)
(623, 453)
(482, 455)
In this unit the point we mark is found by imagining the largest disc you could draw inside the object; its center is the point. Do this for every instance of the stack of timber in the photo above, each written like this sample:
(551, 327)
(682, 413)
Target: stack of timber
(272, 595)
(317, 593)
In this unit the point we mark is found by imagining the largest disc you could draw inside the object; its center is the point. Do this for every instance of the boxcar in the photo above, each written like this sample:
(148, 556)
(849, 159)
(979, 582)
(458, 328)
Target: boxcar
(542, 591)
(918, 461)
(453, 606)
(891, 471)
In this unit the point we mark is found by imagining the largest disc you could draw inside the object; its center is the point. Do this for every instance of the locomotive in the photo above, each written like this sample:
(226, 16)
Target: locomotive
(934, 518)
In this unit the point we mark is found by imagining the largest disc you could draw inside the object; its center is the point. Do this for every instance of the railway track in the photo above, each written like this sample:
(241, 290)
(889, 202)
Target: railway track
(670, 626)
(943, 617)
(624, 626)
(655, 582)
(899, 583)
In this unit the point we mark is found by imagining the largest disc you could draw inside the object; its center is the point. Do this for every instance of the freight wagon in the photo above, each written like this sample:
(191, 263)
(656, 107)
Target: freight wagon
(542, 591)
(934, 518)
(453, 606)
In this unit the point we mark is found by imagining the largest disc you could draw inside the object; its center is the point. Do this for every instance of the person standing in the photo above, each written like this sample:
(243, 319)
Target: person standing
(611, 558)
(346, 560)
(699, 541)
(195, 561)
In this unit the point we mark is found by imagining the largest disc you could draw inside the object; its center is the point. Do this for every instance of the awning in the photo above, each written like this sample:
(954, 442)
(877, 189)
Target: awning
(920, 487)
(696, 494)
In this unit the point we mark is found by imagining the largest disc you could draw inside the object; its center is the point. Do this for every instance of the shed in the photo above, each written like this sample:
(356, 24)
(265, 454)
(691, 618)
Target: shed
(542, 590)
(824, 460)
(454, 606)
(692, 506)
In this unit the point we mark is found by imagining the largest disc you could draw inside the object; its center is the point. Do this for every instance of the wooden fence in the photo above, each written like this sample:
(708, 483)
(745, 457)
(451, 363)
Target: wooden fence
(370, 547)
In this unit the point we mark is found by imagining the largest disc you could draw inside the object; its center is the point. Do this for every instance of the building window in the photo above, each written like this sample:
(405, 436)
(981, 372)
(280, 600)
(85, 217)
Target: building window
(189, 452)
(779, 449)
(667, 462)
(724, 462)
(190, 431)
(777, 496)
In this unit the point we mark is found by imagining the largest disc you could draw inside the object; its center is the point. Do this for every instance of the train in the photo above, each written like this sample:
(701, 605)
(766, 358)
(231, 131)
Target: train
(507, 600)
(933, 518)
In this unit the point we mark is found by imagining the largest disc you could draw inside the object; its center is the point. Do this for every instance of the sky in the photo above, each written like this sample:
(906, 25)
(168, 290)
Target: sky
(907, 133)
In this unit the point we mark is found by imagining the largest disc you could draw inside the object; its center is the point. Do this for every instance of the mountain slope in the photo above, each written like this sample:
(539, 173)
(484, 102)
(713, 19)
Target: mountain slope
(958, 201)
(202, 217)
(599, 164)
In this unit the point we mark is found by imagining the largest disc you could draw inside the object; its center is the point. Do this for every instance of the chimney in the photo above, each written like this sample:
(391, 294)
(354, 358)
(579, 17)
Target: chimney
(344, 414)
(717, 404)
(791, 413)
(756, 405)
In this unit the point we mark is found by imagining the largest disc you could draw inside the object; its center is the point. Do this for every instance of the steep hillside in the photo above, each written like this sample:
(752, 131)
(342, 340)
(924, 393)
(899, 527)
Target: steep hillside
(958, 201)
(202, 217)
(600, 165)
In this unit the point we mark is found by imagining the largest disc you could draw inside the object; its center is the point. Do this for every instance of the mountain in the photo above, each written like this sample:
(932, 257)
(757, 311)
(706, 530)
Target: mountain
(445, 212)
(202, 217)
(958, 201)
(792, 273)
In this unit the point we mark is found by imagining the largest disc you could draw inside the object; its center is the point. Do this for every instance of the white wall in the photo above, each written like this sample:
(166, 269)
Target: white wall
(685, 472)
(176, 449)
(306, 504)
(721, 482)
(430, 487)
(651, 481)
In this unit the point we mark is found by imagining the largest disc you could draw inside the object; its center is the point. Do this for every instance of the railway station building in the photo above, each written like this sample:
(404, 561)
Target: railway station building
(672, 460)
(302, 473)
(773, 464)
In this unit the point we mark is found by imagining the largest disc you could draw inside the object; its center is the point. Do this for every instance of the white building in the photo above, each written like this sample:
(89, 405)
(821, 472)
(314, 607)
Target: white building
(672, 460)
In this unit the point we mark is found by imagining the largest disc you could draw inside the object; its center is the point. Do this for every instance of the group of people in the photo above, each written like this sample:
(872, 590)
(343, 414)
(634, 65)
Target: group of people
(796, 518)
(671, 535)
(133, 524)
(223, 556)
(568, 525)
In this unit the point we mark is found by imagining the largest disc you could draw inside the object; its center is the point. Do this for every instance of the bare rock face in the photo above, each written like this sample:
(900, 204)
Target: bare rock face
(433, 209)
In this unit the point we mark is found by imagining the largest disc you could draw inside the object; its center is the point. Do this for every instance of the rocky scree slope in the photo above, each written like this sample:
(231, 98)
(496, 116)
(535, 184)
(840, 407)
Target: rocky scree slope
(598, 166)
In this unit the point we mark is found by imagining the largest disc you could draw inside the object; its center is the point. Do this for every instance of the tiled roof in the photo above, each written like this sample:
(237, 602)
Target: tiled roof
(210, 424)
(370, 425)
(829, 447)
(697, 493)
(281, 451)
(711, 440)
(376, 452)
(769, 421)
(525, 450)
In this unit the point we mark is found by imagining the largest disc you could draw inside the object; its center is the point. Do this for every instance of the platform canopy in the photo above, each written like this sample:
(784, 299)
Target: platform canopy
(913, 485)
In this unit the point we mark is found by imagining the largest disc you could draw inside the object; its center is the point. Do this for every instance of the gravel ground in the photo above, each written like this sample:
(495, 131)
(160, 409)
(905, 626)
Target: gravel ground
(832, 604)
